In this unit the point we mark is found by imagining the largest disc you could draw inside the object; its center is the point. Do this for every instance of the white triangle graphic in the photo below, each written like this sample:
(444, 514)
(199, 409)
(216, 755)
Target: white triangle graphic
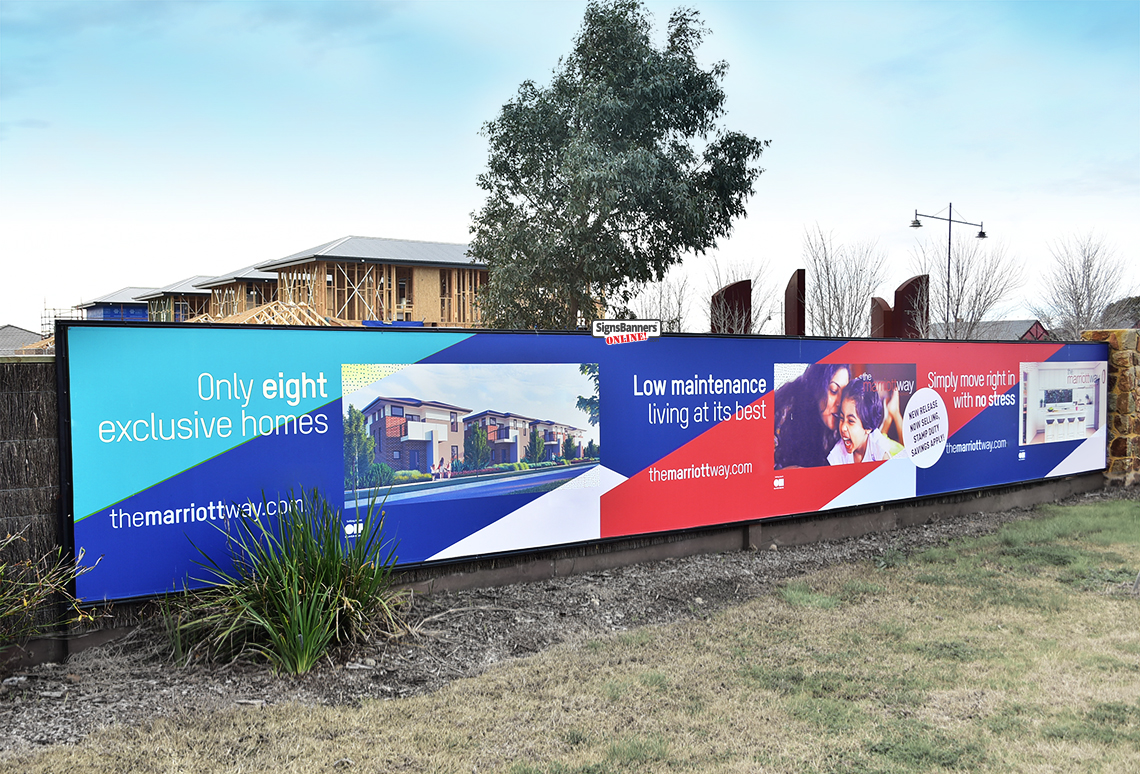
(1090, 455)
(895, 479)
(570, 514)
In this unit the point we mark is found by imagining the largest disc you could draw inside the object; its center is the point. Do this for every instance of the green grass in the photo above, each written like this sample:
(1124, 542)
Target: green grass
(1105, 723)
(801, 594)
(916, 746)
(1018, 651)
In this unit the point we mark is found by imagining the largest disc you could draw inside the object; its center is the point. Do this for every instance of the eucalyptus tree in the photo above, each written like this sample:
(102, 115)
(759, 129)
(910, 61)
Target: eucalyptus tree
(610, 174)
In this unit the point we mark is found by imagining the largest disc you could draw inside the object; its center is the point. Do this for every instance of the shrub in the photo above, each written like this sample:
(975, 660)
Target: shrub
(297, 587)
(377, 474)
(380, 474)
(409, 476)
(30, 587)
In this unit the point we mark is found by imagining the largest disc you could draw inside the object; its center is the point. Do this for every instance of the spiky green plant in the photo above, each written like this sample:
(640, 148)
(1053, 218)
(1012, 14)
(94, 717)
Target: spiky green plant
(297, 586)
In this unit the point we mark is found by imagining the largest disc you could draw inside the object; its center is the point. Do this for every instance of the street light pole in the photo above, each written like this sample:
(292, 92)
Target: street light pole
(949, 250)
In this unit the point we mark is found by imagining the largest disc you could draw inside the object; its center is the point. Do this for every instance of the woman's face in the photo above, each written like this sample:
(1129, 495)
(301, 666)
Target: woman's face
(829, 404)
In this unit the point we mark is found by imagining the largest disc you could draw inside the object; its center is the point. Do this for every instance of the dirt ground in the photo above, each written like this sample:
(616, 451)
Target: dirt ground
(458, 634)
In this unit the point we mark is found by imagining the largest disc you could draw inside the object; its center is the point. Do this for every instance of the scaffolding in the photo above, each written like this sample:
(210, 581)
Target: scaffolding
(49, 316)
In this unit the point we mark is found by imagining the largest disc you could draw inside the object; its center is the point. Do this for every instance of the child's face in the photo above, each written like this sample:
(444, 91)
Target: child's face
(851, 429)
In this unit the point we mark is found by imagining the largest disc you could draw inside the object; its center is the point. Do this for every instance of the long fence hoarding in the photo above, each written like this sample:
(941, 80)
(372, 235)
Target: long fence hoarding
(175, 431)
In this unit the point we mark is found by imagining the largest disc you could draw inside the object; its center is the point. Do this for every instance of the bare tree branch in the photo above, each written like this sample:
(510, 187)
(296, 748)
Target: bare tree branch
(841, 279)
(1086, 278)
(982, 278)
(666, 300)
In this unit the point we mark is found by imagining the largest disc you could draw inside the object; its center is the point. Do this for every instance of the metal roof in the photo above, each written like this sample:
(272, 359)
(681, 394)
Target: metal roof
(413, 402)
(253, 272)
(124, 296)
(13, 337)
(992, 330)
(187, 287)
(379, 250)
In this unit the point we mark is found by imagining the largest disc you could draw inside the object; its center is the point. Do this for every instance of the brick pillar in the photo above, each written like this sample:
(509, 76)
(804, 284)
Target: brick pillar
(1123, 404)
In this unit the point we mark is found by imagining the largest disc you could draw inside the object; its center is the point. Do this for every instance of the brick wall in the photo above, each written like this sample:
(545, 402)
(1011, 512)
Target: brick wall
(29, 457)
(1123, 404)
(394, 429)
(29, 472)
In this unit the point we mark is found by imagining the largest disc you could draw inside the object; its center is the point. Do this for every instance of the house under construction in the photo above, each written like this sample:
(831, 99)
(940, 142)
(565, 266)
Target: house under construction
(389, 280)
(180, 302)
(240, 291)
(344, 282)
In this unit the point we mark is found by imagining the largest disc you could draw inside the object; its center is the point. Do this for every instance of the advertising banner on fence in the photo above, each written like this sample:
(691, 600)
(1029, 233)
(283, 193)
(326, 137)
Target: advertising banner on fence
(489, 442)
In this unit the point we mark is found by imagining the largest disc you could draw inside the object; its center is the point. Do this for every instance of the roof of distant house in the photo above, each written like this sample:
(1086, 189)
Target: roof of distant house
(186, 287)
(245, 274)
(992, 330)
(122, 296)
(379, 250)
(1124, 313)
(13, 337)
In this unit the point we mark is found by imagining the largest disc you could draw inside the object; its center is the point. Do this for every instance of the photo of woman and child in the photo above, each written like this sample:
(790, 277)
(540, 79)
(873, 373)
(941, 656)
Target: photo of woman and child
(837, 413)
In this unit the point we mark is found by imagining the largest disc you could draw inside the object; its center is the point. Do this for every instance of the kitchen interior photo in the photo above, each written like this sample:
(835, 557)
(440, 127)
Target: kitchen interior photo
(1061, 401)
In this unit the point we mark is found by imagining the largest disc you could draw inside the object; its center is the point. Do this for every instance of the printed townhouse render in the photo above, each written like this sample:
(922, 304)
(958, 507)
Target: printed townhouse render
(413, 434)
(509, 434)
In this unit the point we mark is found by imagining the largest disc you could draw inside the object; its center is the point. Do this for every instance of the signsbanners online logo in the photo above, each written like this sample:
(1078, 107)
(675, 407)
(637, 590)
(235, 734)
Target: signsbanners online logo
(778, 482)
(626, 331)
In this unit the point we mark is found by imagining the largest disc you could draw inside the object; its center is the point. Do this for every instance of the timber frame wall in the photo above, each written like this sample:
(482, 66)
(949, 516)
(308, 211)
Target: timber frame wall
(382, 291)
(179, 308)
(241, 296)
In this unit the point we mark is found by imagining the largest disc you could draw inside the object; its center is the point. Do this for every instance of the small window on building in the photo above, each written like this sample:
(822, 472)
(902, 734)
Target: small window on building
(396, 454)
(397, 411)
(454, 452)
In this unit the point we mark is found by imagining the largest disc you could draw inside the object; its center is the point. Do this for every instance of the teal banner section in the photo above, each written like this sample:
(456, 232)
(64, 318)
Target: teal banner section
(154, 402)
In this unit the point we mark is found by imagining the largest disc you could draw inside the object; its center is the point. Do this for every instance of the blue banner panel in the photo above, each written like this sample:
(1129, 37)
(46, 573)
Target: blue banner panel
(487, 442)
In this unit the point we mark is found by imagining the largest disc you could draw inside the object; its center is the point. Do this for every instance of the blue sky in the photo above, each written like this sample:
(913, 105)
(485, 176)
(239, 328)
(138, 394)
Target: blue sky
(145, 142)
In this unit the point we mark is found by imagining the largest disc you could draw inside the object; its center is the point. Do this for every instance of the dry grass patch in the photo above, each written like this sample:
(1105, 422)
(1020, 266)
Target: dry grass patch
(995, 655)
